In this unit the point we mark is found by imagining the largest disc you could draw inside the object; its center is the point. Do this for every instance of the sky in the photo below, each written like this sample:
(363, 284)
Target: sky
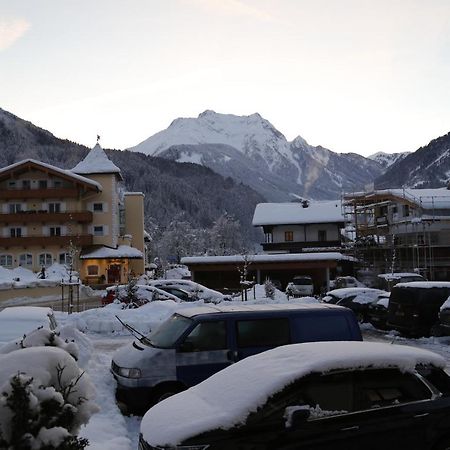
(351, 75)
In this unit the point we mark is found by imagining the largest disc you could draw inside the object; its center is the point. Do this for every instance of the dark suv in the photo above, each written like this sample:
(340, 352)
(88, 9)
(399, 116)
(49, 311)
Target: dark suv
(312, 396)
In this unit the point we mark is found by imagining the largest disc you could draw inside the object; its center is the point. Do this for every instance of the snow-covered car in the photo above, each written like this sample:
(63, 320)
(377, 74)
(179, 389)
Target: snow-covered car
(357, 299)
(300, 286)
(16, 321)
(346, 282)
(387, 281)
(142, 295)
(319, 395)
(197, 290)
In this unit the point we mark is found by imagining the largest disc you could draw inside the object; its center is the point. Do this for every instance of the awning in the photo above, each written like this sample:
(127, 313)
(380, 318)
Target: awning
(103, 252)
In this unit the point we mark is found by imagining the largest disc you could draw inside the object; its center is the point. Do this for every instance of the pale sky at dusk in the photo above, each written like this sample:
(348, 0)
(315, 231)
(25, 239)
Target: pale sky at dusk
(351, 75)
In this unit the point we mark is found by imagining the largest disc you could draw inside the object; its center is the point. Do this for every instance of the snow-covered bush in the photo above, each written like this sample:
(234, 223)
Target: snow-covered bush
(42, 337)
(269, 289)
(44, 399)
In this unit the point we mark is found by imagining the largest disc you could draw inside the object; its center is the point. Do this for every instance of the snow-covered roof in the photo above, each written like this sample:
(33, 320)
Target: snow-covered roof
(122, 251)
(227, 398)
(63, 172)
(96, 161)
(295, 213)
(426, 198)
(283, 257)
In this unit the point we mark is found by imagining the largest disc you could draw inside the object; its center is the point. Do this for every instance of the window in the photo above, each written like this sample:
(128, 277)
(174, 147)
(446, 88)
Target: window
(406, 210)
(12, 185)
(389, 387)
(42, 184)
(57, 183)
(26, 184)
(92, 270)
(97, 207)
(15, 232)
(6, 260)
(288, 236)
(15, 208)
(26, 259)
(45, 259)
(64, 258)
(54, 207)
(206, 336)
(322, 235)
(55, 231)
(98, 230)
(263, 332)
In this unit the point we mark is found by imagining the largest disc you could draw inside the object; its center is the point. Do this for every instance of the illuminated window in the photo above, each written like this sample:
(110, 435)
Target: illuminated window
(288, 236)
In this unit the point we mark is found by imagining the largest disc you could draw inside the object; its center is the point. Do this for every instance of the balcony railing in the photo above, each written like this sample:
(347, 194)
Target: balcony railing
(62, 241)
(298, 246)
(24, 194)
(46, 217)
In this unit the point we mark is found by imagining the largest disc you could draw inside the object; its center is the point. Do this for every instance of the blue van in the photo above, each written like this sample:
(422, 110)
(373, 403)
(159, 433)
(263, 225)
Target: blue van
(194, 343)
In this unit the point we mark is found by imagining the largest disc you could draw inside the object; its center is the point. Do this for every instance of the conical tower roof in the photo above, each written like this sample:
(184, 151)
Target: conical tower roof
(96, 161)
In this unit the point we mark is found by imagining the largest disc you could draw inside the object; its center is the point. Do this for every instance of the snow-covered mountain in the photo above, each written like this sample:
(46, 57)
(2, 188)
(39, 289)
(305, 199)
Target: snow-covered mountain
(427, 167)
(387, 159)
(250, 149)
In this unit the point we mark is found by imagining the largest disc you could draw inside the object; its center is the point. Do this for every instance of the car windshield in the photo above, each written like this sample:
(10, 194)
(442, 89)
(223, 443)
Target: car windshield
(168, 333)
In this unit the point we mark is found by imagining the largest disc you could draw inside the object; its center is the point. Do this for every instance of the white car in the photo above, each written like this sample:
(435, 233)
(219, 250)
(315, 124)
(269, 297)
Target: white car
(17, 321)
(300, 286)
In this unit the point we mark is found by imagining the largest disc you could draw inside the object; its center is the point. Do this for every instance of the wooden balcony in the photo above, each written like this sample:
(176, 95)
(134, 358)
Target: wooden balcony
(46, 217)
(299, 247)
(24, 194)
(45, 241)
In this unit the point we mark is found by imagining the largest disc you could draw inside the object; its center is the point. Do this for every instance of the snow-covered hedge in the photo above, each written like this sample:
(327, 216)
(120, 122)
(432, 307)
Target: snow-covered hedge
(44, 399)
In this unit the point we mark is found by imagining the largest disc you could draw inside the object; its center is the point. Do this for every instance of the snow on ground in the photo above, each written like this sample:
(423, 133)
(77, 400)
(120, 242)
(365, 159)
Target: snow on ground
(98, 334)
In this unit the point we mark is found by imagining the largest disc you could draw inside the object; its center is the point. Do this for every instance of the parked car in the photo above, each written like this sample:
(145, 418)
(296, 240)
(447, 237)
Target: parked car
(357, 299)
(312, 396)
(143, 295)
(414, 307)
(198, 290)
(378, 310)
(346, 282)
(444, 319)
(16, 321)
(387, 281)
(183, 295)
(300, 286)
(195, 343)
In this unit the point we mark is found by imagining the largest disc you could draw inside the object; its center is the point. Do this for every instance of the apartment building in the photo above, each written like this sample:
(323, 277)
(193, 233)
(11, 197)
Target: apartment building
(48, 215)
(402, 230)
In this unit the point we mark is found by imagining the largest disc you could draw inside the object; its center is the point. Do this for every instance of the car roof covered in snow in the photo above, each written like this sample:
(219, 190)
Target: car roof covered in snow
(424, 284)
(226, 399)
(25, 312)
(214, 309)
(344, 292)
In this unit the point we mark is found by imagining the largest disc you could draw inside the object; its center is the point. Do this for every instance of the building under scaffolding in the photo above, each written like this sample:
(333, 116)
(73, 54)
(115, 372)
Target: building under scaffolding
(399, 230)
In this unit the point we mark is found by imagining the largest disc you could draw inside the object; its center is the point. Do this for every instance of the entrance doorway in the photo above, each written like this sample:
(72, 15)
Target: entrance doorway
(114, 273)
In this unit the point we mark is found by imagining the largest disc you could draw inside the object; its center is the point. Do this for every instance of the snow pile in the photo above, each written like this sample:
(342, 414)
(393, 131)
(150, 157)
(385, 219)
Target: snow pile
(226, 399)
(144, 319)
(179, 271)
(20, 277)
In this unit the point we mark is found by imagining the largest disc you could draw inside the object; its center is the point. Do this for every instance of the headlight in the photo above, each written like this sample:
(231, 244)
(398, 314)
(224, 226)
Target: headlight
(129, 373)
